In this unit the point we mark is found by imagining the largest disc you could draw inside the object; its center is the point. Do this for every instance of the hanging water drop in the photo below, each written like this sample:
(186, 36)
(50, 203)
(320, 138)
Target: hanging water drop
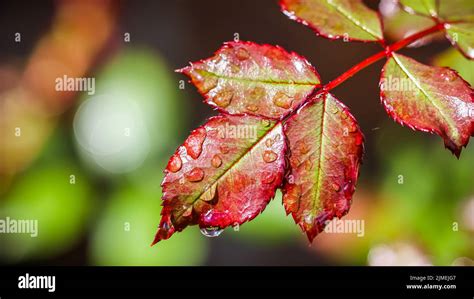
(211, 232)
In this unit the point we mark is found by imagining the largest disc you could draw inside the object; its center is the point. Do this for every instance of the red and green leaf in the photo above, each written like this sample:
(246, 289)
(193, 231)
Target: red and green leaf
(244, 77)
(224, 174)
(335, 19)
(326, 147)
(430, 99)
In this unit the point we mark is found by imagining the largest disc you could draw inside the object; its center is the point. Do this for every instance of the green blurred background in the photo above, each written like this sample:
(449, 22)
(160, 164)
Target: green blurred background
(88, 167)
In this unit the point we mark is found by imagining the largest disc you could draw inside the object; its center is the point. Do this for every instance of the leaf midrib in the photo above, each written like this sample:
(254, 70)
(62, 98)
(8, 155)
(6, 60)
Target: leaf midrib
(234, 163)
(321, 153)
(240, 79)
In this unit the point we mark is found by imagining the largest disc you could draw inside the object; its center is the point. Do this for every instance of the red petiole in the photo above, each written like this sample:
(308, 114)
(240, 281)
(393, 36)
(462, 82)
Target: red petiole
(385, 53)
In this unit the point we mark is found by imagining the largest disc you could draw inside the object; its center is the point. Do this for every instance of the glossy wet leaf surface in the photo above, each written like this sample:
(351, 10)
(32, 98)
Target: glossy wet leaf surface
(430, 99)
(225, 174)
(245, 77)
(326, 147)
(349, 19)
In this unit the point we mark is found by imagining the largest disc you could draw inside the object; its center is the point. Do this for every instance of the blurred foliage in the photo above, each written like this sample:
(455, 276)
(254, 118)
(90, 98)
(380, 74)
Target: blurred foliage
(60, 203)
(128, 223)
(423, 186)
(141, 75)
(132, 117)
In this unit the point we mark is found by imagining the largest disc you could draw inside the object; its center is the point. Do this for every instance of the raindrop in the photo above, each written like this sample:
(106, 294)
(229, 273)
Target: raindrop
(195, 175)
(282, 100)
(210, 193)
(194, 142)
(216, 161)
(269, 156)
(252, 107)
(175, 163)
(211, 232)
(223, 98)
(448, 76)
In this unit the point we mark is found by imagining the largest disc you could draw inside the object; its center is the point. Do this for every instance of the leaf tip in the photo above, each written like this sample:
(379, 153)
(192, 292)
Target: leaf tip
(183, 70)
(165, 230)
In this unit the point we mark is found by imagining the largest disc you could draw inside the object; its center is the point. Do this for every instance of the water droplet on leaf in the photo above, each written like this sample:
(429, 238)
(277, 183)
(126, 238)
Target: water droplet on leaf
(223, 98)
(282, 100)
(216, 161)
(194, 142)
(252, 107)
(195, 175)
(448, 76)
(175, 163)
(269, 156)
(210, 193)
